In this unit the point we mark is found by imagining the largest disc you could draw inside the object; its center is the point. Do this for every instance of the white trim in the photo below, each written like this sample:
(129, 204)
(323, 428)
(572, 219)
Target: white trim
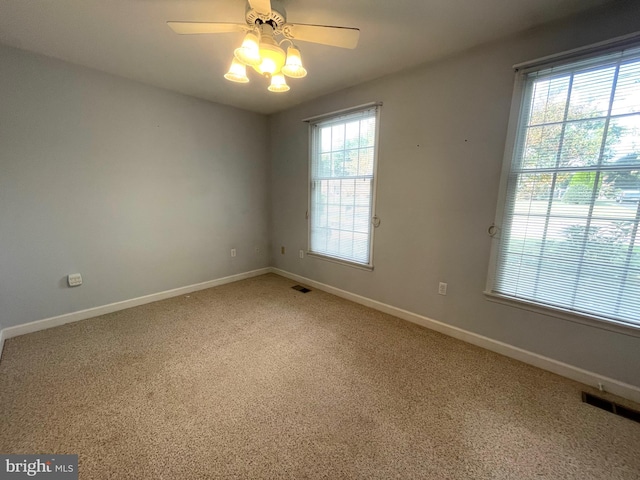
(344, 111)
(569, 315)
(610, 385)
(361, 266)
(517, 102)
(313, 143)
(56, 321)
(593, 49)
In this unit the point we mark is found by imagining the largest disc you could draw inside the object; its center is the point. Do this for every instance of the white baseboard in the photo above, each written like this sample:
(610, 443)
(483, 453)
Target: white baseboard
(51, 322)
(611, 385)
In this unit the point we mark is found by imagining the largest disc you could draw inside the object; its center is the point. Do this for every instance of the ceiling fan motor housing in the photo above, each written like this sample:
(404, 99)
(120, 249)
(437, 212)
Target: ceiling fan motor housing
(277, 17)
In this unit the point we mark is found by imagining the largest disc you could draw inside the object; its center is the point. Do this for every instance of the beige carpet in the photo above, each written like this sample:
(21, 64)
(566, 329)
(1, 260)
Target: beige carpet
(256, 380)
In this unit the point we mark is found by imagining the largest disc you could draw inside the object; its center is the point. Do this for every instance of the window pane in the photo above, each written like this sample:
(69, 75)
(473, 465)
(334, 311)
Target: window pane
(541, 146)
(571, 229)
(365, 161)
(353, 135)
(591, 93)
(627, 98)
(362, 219)
(368, 132)
(342, 169)
(582, 142)
(324, 165)
(360, 247)
(346, 244)
(351, 162)
(337, 164)
(549, 100)
(337, 137)
(532, 187)
(325, 140)
(581, 188)
(623, 140)
(363, 192)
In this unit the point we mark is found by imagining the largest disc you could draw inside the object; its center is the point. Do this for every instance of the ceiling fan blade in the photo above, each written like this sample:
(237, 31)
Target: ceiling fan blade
(344, 37)
(263, 7)
(195, 28)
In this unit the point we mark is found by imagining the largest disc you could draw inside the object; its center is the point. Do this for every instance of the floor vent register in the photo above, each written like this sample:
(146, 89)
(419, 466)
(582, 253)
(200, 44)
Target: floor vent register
(300, 288)
(612, 407)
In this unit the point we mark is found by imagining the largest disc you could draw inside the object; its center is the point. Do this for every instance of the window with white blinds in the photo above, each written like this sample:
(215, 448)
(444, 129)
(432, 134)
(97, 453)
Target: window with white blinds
(342, 185)
(569, 235)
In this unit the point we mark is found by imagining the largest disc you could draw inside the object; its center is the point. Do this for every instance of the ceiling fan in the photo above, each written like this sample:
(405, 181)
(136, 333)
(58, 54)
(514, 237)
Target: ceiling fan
(266, 29)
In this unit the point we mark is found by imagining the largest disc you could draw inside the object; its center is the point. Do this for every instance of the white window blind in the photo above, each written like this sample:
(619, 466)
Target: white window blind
(343, 165)
(569, 238)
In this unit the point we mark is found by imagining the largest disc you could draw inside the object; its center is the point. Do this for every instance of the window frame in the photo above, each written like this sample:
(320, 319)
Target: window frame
(313, 121)
(518, 106)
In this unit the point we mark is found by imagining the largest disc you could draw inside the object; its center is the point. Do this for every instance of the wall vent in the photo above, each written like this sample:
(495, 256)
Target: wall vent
(300, 288)
(612, 407)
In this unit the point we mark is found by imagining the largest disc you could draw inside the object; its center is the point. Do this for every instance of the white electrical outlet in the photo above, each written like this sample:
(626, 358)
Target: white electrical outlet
(74, 279)
(233, 252)
(442, 288)
(301, 253)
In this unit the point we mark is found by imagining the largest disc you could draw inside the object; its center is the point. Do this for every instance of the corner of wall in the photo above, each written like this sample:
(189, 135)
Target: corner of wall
(1, 342)
(63, 319)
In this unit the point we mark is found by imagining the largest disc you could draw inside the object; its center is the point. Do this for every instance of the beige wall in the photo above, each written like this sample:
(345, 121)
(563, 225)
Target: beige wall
(138, 189)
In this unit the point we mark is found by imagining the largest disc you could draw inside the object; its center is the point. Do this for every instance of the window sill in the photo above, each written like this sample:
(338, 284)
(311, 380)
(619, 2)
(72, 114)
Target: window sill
(584, 319)
(339, 261)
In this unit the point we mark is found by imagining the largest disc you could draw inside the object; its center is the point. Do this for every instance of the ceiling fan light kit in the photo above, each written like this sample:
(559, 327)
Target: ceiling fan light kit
(278, 84)
(249, 52)
(237, 72)
(293, 68)
(266, 19)
(262, 52)
(272, 57)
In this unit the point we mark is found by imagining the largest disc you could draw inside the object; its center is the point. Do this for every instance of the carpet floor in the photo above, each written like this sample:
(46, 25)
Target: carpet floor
(254, 380)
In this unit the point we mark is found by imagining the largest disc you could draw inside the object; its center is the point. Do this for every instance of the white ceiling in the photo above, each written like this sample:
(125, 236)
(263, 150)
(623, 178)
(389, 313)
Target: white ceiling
(130, 38)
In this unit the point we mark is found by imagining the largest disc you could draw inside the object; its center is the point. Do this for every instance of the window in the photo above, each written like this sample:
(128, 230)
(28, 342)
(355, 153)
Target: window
(569, 237)
(342, 185)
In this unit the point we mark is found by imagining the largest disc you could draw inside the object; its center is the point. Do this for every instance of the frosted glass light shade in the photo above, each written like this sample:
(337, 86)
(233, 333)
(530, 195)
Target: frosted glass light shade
(272, 57)
(278, 84)
(268, 66)
(237, 72)
(249, 52)
(293, 68)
